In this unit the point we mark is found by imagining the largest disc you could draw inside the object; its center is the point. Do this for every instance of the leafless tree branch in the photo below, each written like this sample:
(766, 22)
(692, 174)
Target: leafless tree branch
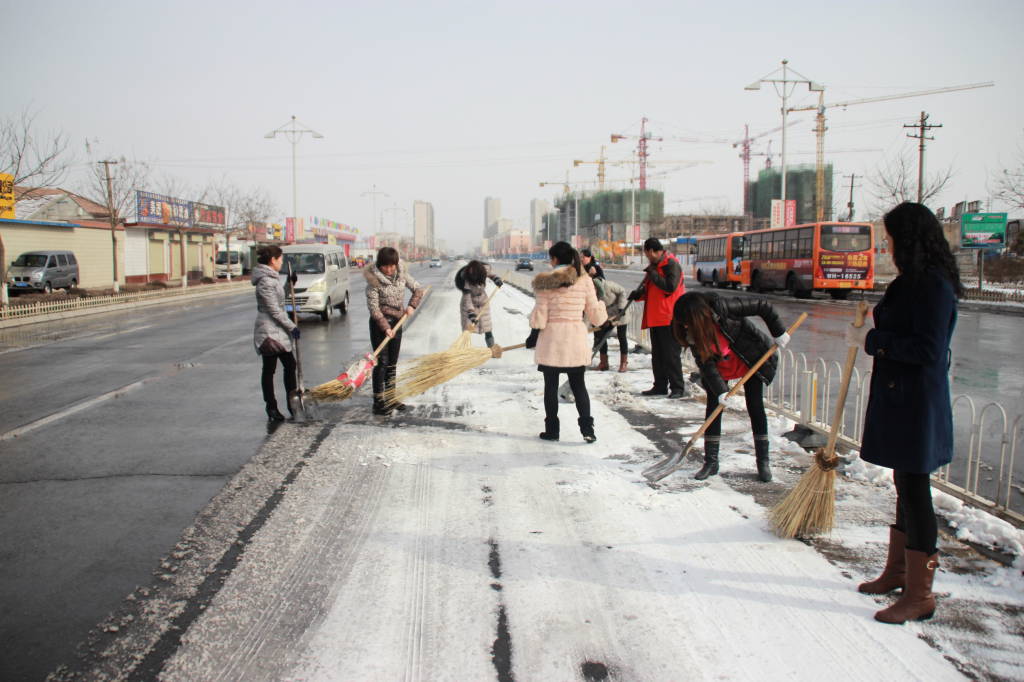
(34, 158)
(896, 182)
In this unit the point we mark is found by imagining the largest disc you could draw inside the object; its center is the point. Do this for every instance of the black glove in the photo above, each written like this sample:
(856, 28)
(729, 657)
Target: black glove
(636, 294)
(497, 281)
(531, 340)
(293, 278)
(296, 333)
(471, 316)
(604, 328)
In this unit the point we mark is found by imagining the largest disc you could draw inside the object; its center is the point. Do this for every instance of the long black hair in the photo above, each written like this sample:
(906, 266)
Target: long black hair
(566, 255)
(918, 244)
(475, 272)
(694, 326)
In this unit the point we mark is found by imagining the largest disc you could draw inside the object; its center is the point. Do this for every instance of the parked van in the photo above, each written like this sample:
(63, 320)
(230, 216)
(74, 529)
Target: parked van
(322, 284)
(36, 271)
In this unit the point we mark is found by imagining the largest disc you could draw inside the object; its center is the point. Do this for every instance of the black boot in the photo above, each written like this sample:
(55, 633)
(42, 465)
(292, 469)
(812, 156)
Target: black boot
(764, 471)
(710, 467)
(550, 428)
(587, 428)
(273, 414)
(380, 407)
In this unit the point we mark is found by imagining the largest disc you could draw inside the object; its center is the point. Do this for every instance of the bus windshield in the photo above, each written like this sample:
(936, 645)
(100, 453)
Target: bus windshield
(845, 237)
(222, 258)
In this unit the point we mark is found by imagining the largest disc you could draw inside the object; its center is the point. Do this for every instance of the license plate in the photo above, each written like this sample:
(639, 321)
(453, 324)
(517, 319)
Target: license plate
(288, 307)
(21, 284)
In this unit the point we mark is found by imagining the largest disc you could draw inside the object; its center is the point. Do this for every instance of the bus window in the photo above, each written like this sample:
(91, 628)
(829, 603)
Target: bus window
(845, 237)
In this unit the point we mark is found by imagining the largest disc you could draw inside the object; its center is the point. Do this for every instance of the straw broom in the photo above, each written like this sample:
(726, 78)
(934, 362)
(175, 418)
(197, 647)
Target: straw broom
(811, 506)
(435, 369)
(465, 339)
(348, 382)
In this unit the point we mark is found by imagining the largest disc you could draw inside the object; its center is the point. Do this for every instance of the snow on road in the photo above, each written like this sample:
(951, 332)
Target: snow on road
(427, 545)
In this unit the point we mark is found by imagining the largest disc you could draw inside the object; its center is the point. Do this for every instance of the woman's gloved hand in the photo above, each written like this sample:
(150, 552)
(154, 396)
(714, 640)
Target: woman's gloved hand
(730, 402)
(296, 333)
(471, 316)
(531, 340)
(782, 340)
(855, 336)
(497, 280)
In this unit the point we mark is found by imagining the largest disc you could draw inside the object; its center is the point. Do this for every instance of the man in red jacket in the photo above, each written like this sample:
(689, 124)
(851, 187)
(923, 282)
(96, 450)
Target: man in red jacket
(659, 291)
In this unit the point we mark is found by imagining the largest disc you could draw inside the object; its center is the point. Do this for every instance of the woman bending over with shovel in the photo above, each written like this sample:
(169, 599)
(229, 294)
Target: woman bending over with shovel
(908, 426)
(273, 332)
(563, 297)
(725, 344)
(386, 282)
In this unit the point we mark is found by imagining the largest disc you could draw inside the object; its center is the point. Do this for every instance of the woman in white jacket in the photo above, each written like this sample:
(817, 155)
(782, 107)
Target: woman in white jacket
(564, 297)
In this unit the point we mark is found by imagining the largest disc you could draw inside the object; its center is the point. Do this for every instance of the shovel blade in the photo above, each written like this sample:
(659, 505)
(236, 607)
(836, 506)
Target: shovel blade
(297, 406)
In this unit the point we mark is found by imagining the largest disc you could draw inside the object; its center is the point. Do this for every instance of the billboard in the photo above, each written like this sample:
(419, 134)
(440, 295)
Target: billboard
(204, 215)
(6, 196)
(162, 210)
(982, 230)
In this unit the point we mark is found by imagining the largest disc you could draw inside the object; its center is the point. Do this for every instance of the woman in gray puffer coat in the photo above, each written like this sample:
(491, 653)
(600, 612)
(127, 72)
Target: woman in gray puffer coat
(386, 282)
(273, 331)
(471, 280)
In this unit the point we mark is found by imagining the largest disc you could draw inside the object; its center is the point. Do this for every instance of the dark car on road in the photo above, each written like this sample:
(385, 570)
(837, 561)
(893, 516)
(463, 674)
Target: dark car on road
(524, 264)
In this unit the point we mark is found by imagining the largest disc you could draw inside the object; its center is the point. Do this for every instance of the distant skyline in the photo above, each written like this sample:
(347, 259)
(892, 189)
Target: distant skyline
(452, 102)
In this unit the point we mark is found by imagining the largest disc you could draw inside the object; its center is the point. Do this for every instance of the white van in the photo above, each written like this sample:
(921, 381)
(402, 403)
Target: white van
(322, 284)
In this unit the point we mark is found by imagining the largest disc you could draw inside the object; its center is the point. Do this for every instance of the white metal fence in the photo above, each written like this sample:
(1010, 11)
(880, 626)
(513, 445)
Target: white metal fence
(986, 440)
(26, 310)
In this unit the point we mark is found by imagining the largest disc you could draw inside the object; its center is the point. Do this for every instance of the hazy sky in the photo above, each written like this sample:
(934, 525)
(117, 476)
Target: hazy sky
(450, 102)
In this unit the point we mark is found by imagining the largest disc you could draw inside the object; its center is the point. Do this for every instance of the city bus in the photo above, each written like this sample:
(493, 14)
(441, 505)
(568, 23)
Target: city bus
(718, 260)
(833, 257)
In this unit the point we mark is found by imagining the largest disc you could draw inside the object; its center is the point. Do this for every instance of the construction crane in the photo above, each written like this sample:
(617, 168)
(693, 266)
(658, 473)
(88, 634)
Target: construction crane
(819, 129)
(745, 154)
(601, 162)
(641, 148)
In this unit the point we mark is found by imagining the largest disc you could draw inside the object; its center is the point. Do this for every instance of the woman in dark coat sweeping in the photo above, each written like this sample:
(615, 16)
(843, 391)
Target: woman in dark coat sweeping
(909, 422)
(726, 344)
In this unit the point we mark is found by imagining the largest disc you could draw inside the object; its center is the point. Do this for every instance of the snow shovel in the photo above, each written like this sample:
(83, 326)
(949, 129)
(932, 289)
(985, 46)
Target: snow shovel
(296, 398)
(671, 464)
(564, 391)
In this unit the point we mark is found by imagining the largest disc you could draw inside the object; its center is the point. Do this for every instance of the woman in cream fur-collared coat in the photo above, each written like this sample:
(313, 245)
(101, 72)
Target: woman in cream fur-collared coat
(564, 297)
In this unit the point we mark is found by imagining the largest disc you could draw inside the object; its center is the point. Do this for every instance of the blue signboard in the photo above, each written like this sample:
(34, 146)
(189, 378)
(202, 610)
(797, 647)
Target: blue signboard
(162, 210)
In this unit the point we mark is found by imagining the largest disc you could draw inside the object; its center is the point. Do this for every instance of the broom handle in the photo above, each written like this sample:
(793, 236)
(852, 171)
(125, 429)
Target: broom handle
(851, 358)
(750, 372)
(397, 326)
(484, 307)
(518, 345)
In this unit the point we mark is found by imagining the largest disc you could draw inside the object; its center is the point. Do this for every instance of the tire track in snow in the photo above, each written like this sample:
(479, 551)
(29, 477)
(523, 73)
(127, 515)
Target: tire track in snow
(416, 575)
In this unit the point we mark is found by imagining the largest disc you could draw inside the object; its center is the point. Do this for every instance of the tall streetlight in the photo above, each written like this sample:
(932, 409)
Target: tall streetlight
(293, 132)
(787, 86)
(373, 194)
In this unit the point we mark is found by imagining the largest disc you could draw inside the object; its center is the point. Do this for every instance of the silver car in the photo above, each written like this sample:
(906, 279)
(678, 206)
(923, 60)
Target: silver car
(36, 271)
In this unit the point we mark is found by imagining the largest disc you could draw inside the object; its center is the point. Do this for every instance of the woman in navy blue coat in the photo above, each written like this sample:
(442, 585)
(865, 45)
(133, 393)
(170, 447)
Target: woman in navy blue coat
(909, 422)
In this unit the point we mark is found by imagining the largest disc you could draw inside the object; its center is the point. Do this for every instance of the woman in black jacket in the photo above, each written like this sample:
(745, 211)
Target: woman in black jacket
(725, 345)
(908, 426)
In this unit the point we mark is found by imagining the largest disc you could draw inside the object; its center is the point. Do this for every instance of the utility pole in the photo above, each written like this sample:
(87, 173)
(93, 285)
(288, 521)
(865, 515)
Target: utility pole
(849, 205)
(922, 134)
(373, 193)
(113, 220)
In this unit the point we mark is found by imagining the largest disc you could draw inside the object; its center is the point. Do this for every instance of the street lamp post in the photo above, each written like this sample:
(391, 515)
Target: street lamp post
(785, 92)
(293, 132)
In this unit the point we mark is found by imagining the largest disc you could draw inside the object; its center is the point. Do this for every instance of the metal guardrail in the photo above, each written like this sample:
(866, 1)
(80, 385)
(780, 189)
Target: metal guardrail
(24, 310)
(804, 390)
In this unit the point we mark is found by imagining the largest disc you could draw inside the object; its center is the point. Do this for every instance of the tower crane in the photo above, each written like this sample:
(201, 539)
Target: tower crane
(819, 128)
(745, 154)
(641, 148)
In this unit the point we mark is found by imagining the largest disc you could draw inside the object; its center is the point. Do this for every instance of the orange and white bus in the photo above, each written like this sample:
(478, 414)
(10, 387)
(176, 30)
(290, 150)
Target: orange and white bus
(833, 257)
(719, 258)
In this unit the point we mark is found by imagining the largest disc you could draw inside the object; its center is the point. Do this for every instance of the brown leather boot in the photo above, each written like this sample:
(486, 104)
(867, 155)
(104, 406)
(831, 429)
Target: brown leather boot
(917, 602)
(894, 575)
(603, 364)
(623, 363)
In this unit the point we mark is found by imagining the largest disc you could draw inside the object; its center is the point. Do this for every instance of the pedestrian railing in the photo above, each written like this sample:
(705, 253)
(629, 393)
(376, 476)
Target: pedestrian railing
(986, 440)
(995, 296)
(24, 310)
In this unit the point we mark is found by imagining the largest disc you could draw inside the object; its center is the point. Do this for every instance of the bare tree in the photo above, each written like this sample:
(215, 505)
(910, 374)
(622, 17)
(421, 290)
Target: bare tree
(125, 177)
(34, 158)
(1008, 185)
(896, 182)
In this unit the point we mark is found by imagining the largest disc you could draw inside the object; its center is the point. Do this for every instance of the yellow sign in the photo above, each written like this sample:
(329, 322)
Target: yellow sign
(6, 196)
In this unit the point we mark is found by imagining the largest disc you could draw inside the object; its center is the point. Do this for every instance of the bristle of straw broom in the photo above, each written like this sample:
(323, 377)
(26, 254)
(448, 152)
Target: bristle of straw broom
(433, 370)
(464, 341)
(811, 506)
(331, 391)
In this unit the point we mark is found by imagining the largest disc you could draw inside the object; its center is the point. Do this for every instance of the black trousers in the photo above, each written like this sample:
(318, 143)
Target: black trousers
(576, 383)
(386, 369)
(753, 392)
(665, 359)
(620, 331)
(267, 378)
(915, 514)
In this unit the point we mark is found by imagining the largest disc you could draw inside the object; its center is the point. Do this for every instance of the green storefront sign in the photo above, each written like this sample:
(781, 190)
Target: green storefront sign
(982, 230)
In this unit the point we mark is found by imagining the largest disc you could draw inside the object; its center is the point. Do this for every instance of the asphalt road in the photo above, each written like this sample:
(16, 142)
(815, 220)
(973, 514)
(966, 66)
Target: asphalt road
(115, 431)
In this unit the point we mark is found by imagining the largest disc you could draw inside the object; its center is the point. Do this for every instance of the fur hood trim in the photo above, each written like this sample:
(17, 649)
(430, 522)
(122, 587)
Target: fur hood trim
(564, 276)
(374, 277)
